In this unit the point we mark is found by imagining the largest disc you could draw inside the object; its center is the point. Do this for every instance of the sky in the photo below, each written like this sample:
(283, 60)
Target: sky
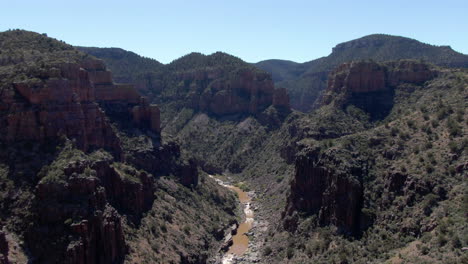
(254, 30)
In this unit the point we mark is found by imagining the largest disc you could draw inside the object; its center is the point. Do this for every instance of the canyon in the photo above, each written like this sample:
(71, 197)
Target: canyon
(95, 169)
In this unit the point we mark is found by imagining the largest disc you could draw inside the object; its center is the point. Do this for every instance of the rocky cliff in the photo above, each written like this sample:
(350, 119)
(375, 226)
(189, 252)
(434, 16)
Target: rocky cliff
(227, 86)
(82, 203)
(64, 101)
(306, 81)
(329, 183)
(333, 193)
(247, 92)
(371, 86)
(218, 84)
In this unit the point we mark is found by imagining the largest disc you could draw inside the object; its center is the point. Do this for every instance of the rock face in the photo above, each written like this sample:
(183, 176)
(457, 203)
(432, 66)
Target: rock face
(370, 85)
(188, 173)
(88, 206)
(281, 98)
(146, 115)
(406, 71)
(246, 92)
(61, 103)
(80, 215)
(105, 88)
(307, 81)
(91, 247)
(358, 77)
(166, 159)
(122, 96)
(218, 84)
(334, 195)
(64, 102)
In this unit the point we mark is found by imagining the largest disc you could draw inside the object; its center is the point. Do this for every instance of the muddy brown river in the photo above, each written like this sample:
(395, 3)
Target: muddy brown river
(240, 240)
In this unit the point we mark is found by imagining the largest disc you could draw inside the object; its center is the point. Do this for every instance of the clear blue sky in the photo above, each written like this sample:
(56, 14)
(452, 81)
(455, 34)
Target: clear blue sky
(253, 30)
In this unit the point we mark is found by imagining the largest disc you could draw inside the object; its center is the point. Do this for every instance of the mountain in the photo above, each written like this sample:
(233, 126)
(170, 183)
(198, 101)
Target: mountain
(306, 81)
(134, 66)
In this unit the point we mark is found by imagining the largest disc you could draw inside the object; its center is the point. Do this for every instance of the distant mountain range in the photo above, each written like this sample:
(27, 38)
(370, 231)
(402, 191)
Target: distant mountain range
(306, 81)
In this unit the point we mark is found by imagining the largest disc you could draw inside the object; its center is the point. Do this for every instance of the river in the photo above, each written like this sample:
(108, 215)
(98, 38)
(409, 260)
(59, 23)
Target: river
(240, 239)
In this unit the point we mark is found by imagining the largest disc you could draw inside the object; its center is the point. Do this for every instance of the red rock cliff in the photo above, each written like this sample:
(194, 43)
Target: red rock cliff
(244, 92)
(61, 103)
(87, 207)
(371, 86)
(64, 101)
(365, 77)
(334, 195)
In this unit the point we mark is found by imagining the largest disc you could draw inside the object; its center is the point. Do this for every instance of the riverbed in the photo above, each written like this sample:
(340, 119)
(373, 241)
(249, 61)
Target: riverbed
(240, 241)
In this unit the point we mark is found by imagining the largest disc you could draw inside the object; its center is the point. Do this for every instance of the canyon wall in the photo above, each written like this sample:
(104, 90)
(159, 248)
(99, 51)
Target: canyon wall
(64, 101)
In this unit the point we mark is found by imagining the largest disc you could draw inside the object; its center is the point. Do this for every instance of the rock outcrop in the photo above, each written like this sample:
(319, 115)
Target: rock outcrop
(101, 240)
(123, 97)
(370, 86)
(281, 98)
(64, 101)
(246, 92)
(165, 159)
(147, 115)
(88, 207)
(105, 88)
(334, 195)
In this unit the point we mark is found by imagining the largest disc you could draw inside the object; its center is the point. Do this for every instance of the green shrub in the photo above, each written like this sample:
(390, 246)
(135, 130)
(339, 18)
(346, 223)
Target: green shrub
(453, 127)
(242, 186)
(279, 178)
(267, 251)
(426, 237)
(441, 240)
(187, 229)
(456, 243)
(290, 252)
(460, 114)
(428, 145)
(411, 124)
(451, 170)
(453, 146)
(429, 169)
(425, 250)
